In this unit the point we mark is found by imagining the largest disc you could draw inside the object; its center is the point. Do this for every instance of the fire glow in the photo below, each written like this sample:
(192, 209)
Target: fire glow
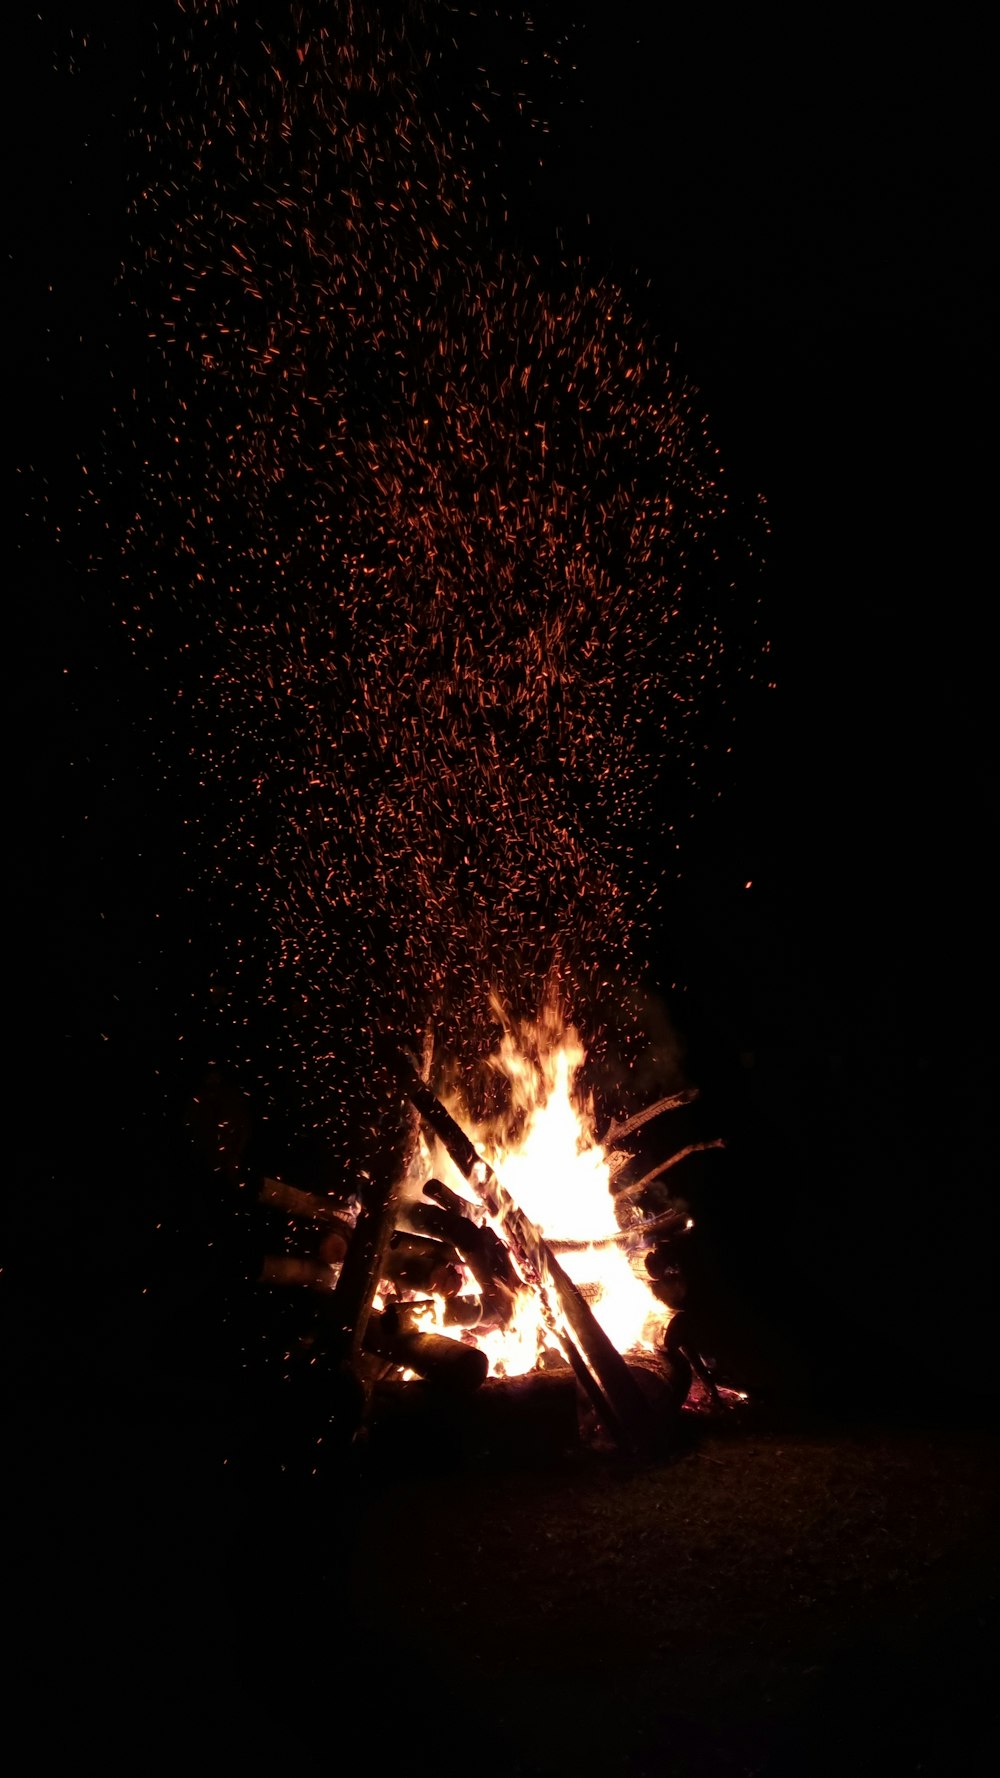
(545, 1151)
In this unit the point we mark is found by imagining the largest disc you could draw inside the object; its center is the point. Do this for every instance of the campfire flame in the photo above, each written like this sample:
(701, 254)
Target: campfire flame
(544, 1149)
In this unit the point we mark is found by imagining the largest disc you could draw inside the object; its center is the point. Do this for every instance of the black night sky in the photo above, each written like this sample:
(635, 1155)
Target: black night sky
(805, 222)
(796, 207)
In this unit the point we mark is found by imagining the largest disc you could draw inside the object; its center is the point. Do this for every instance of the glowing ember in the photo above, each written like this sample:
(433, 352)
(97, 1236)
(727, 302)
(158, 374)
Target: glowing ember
(430, 555)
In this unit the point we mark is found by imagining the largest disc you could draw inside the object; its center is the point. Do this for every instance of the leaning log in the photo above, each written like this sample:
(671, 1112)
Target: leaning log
(605, 1375)
(615, 1134)
(362, 1267)
(630, 1192)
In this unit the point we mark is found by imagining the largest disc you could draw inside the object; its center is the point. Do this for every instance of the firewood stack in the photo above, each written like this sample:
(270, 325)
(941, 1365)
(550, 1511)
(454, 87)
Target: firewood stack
(387, 1269)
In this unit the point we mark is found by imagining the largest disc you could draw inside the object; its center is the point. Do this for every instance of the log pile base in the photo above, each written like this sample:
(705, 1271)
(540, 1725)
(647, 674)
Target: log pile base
(531, 1420)
(411, 1248)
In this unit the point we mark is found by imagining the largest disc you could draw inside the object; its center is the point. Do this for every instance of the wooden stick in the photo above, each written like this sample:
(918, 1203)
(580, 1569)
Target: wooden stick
(616, 1132)
(668, 1224)
(632, 1191)
(364, 1258)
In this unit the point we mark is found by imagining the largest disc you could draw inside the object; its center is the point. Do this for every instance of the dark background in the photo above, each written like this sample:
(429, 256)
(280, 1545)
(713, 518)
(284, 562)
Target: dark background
(803, 219)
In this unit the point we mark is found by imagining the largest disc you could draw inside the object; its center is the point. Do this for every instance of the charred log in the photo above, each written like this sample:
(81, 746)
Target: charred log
(480, 1247)
(419, 1263)
(290, 1269)
(665, 1384)
(448, 1365)
(662, 1260)
(333, 1247)
(679, 1347)
(307, 1207)
(464, 1311)
(668, 1283)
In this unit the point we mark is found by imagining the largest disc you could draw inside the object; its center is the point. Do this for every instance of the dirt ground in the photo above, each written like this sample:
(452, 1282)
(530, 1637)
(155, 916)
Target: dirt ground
(762, 1604)
(190, 1577)
(766, 1602)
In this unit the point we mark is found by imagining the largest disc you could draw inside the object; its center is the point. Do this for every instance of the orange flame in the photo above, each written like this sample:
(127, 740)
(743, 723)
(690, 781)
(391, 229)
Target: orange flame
(558, 1173)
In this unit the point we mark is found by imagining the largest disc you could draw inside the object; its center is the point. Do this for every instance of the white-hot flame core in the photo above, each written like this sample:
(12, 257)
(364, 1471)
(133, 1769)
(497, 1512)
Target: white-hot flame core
(558, 1175)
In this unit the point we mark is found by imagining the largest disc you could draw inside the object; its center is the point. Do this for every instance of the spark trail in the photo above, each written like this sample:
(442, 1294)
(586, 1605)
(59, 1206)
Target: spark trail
(438, 543)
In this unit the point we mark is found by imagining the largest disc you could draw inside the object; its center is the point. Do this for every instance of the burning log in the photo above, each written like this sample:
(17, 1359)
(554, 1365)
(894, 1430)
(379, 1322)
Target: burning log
(599, 1367)
(669, 1225)
(489, 1251)
(435, 1224)
(479, 1248)
(419, 1263)
(448, 1365)
(458, 1311)
(464, 1311)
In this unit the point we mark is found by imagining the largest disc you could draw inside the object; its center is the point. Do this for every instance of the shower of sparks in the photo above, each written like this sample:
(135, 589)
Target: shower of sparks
(427, 548)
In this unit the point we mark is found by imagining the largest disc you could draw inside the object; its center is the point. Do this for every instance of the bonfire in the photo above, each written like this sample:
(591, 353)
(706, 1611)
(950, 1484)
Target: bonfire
(522, 1244)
